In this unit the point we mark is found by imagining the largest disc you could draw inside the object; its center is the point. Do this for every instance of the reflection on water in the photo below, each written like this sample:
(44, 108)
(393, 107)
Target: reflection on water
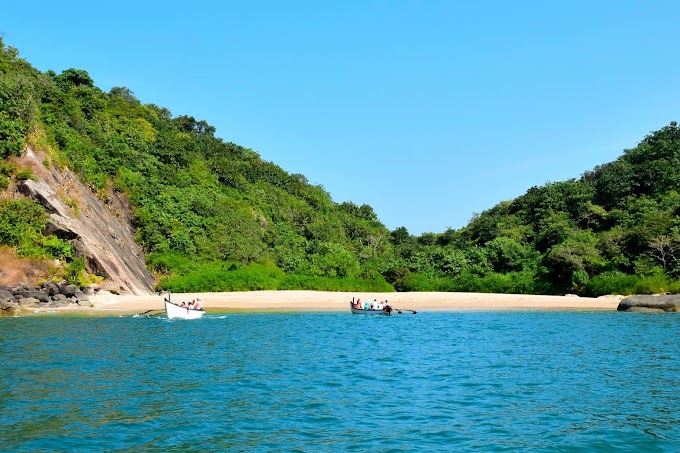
(333, 381)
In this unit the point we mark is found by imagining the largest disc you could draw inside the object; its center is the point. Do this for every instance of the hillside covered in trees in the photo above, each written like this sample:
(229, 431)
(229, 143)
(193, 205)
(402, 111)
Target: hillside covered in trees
(214, 216)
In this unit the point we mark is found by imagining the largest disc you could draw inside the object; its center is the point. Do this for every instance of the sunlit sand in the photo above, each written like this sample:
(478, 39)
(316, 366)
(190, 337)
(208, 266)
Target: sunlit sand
(309, 301)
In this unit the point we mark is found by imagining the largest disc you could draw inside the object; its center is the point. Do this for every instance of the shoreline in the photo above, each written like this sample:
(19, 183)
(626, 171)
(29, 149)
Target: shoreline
(104, 304)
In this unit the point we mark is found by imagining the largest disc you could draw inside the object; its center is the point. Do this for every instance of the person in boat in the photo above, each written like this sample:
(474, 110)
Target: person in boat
(357, 305)
(366, 305)
(198, 305)
(184, 305)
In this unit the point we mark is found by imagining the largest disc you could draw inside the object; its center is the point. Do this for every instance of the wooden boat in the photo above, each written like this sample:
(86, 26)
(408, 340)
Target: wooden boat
(174, 311)
(387, 311)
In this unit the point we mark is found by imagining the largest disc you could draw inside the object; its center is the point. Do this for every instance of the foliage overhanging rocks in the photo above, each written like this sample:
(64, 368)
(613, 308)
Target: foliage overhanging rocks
(214, 216)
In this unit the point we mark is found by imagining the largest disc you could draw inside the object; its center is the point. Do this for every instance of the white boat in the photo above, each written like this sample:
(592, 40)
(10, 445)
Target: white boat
(174, 311)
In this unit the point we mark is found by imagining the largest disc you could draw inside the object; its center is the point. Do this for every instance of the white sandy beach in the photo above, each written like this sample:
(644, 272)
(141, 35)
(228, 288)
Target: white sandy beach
(339, 301)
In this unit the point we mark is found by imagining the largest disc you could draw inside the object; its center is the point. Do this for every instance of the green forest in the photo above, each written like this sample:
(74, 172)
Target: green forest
(214, 216)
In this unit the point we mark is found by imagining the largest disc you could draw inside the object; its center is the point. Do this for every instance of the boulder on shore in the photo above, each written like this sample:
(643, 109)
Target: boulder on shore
(8, 305)
(650, 304)
(5, 294)
(41, 296)
(28, 302)
(14, 300)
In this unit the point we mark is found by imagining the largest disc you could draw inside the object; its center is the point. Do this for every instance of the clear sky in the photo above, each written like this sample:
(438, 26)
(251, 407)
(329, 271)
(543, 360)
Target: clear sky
(429, 111)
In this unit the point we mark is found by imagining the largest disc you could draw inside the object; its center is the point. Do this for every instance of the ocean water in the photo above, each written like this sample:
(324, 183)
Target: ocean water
(481, 381)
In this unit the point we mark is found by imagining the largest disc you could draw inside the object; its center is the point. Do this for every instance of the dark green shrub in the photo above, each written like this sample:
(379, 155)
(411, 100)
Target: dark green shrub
(654, 284)
(74, 271)
(11, 135)
(468, 282)
(218, 277)
(56, 248)
(24, 174)
(21, 225)
(611, 283)
(417, 282)
(510, 283)
(168, 262)
(214, 277)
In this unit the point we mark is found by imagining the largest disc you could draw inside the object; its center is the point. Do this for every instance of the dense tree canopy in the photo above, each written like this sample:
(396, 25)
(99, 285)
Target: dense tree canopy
(209, 212)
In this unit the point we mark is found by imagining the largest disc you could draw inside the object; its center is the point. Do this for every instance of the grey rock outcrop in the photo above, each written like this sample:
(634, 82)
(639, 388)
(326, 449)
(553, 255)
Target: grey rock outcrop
(68, 290)
(5, 294)
(102, 233)
(28, 302)
(650, 304)
(9, 305)
(36, 298)
(41, 296)
(52, 289)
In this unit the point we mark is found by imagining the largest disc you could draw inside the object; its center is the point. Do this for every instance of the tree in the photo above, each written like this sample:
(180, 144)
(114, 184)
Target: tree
(400, 236)
(663, 249)
(189, 124)
(124, 93)
(591, 215)
(577, 253)
(449, 261)
(333, 260)
(613, 182)
(237, 236)
(427, 239)
(553, 230)
(505, 254)
(74, 78)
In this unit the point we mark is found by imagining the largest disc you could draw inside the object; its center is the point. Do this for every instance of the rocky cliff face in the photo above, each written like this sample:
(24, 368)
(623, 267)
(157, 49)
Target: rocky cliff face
(102, 232)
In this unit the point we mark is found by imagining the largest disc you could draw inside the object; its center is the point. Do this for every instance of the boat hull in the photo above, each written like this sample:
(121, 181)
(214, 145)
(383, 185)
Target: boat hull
(358, 311)
(174, 311)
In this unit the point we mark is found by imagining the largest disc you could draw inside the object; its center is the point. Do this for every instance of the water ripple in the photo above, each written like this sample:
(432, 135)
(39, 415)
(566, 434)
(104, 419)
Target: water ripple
(336, 382)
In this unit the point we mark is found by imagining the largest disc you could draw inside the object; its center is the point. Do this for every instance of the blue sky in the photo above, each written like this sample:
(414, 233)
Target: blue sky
(429, 111)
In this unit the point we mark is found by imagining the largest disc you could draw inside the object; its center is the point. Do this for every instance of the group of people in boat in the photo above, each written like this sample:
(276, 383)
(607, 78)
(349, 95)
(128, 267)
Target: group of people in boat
(374, 305)
(193, 305)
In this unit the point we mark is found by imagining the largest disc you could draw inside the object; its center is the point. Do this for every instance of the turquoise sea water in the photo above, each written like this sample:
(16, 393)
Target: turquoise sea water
(497, 381)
